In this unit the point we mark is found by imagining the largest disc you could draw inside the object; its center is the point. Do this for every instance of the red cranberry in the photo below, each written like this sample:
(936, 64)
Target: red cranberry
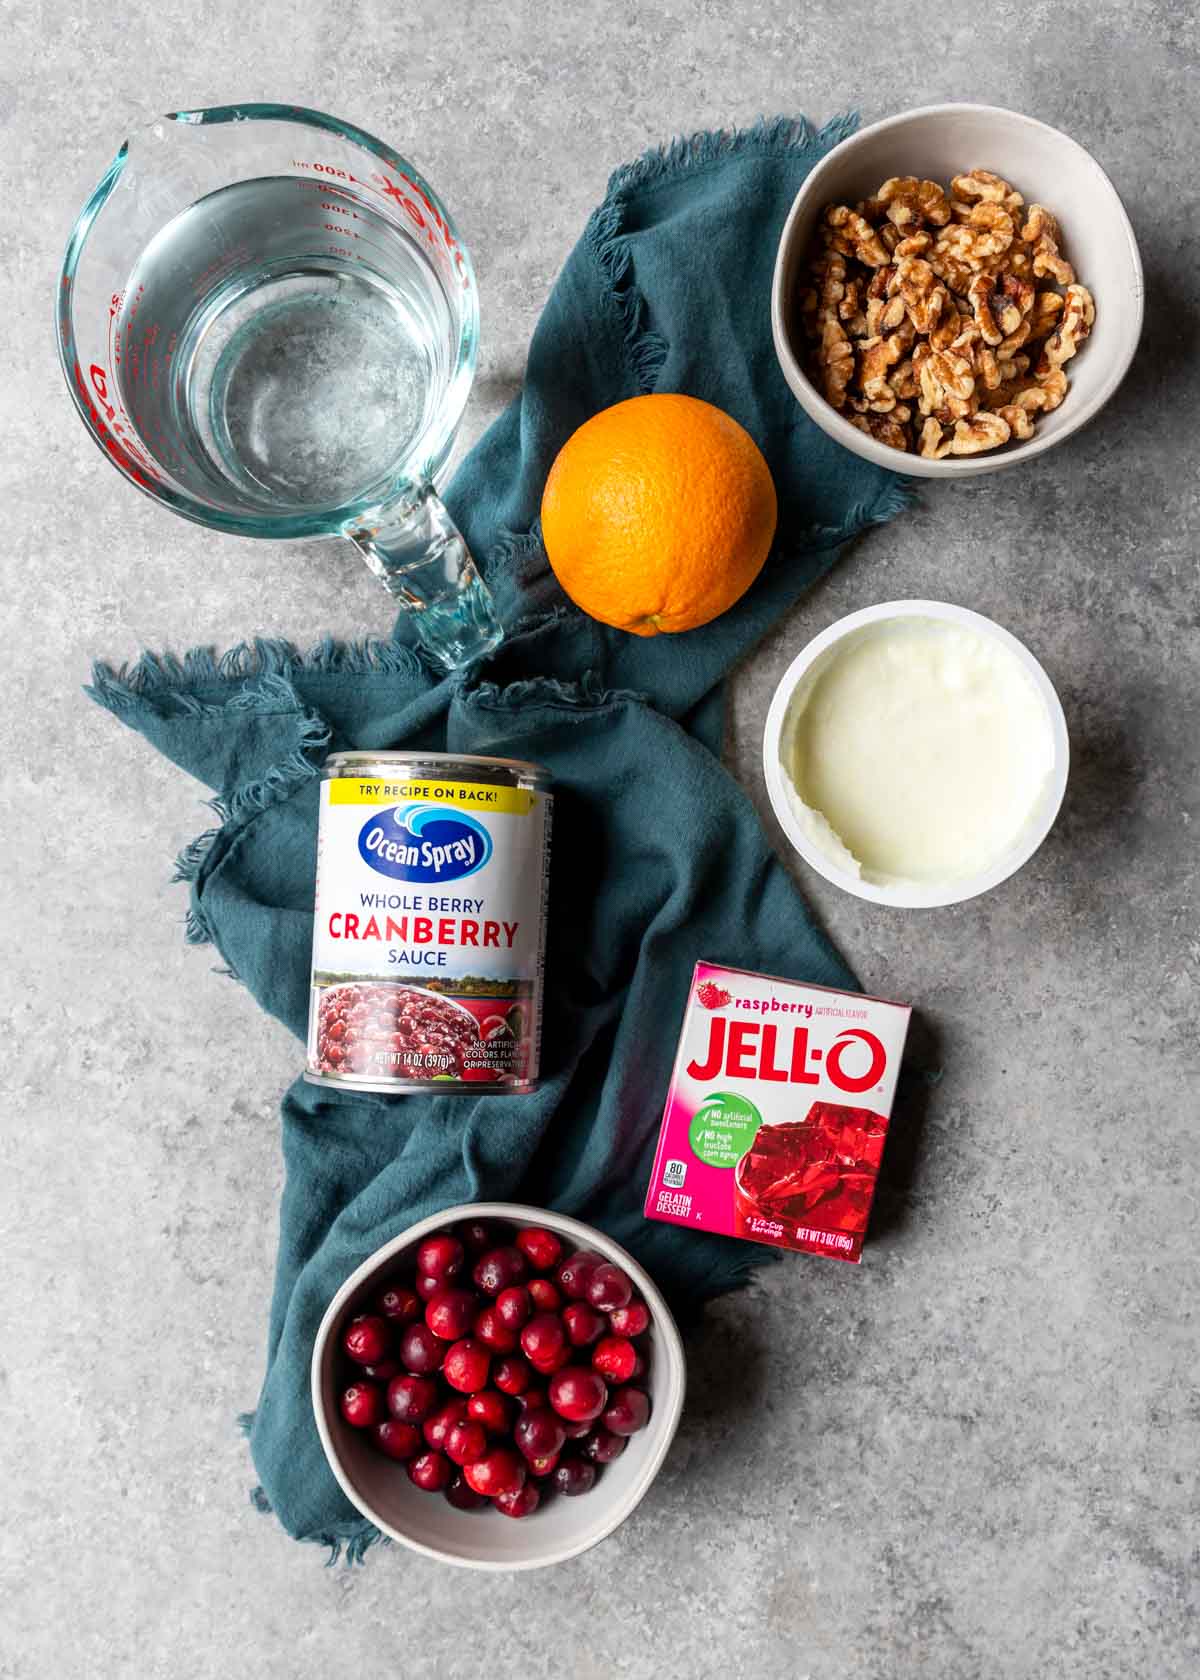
(466, 1366)
(362, 1405)
(466, 1443)
(398, 1305)
(575, 1476)
(494, 1333)
(578, 1394)
(609, 1288)
(639, 1366)
(630, 1320)
(382, 1373)
(428, 1287)
(584, 1324)
(615, 1359)
(421, 1351)
(494, 1411)
(544, 1466)
(575, 1273)
(539, 1434)
(532, 1400)
(451, 1313)
(544, 1295)
(411, 1399)
(523, 1503)
(367, 1339)
(396, 1439)
(441, 1257)
(462, 1497)
(602, 1446)
(499, 1269)
(628, 1411)
(544, 1342)
(432, 1472)
(513, 1307)
(541, 1248)
(477, 1236)
(500, 1472)
(512, 1375)
(439, 1424)
(577, 1431)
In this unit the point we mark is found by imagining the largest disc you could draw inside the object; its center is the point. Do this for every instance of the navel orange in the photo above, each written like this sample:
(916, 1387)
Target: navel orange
(658, 514)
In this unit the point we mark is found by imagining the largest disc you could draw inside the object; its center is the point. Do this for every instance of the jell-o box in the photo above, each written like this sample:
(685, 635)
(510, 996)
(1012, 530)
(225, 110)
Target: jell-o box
(778, 1110)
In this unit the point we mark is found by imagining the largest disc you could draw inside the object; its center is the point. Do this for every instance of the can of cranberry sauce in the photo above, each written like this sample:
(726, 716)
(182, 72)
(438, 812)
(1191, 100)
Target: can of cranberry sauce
(429, 928)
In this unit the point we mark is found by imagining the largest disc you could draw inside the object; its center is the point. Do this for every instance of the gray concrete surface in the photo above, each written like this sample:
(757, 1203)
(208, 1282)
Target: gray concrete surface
(973, 1459)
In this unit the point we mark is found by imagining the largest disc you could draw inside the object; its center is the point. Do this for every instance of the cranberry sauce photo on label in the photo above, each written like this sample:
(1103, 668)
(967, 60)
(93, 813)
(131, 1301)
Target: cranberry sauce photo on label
(429, 926)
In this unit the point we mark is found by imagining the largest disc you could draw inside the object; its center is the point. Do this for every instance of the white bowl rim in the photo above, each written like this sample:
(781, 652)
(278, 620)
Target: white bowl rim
(668, 1398)
(915, 897)
(868, 448)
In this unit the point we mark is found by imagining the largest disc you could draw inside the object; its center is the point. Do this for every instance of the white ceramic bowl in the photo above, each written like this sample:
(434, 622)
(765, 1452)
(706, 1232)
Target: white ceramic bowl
(1048, 167)
(915, 895)
(485, 1539)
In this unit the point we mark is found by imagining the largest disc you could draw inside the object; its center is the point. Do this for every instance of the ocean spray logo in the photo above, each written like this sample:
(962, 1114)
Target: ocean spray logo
(424, 843)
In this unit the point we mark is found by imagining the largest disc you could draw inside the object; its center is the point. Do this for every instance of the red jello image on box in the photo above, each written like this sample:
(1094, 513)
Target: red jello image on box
(778, 1111)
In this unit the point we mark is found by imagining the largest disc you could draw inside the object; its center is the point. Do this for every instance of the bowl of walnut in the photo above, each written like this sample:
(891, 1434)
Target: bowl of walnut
(957, 289)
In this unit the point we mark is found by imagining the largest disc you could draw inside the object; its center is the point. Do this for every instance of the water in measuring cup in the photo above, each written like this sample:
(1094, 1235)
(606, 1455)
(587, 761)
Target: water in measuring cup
(300, 348)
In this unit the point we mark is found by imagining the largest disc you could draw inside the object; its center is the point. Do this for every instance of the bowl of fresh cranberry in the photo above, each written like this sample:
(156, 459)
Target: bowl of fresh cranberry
(497, 1386)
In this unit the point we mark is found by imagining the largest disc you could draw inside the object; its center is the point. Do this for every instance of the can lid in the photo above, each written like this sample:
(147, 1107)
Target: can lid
(350, 762)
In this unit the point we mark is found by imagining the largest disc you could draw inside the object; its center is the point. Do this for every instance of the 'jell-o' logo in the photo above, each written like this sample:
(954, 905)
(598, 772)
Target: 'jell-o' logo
(762, 1050)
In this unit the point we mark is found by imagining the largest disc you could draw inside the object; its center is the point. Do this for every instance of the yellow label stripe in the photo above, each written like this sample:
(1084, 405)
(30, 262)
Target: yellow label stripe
(464, 796)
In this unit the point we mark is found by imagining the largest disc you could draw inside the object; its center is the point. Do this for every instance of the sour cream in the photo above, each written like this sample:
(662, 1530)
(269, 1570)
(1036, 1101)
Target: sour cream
(916, 752)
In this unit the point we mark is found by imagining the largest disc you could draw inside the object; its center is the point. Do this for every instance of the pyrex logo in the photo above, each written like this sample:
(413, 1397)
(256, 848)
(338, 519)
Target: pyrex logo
(424, 843)
(763, 1050)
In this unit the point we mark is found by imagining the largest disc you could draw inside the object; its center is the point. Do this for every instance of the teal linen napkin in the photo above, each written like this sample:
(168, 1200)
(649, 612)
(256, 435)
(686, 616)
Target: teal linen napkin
(658, 856)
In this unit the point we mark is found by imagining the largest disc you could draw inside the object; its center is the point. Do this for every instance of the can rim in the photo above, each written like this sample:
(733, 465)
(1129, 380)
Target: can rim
(339, 761)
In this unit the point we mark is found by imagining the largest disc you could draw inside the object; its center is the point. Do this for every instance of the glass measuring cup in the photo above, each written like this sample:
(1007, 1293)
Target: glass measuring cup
(268, 323)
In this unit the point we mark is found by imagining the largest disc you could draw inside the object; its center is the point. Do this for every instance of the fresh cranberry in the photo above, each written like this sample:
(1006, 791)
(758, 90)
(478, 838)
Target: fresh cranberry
(602, 1446)
(398, 1305)
(630, 1320)
(384, 1372)
(466, 1366)
(466, 1443)
(532, 1400)
(421, 1351)
(502, 1471)
(428, 1287)
(439, 1424)
(544, 1342)
(396, 1439)
(494, 1333)
(494, 1411)
(411, 1399)
(578, 1394)
(575, 1476)
(367, 1339)
(575, 1273)
(512, 1375)
(577, 1431)
(639, 1366)
(362, 1404)
(544, 1466)
(541, 1248)
(451, 1313)
(462, 1497)
(628, 1411)
(513, 1307)
(544, 1295)
(477, 1236)
(539, 1433)
(523, 1503)
(432, 1472)
(584, 1324)
(615, 1359)
(609, 1288)
(441, 1257)
(499, 1269)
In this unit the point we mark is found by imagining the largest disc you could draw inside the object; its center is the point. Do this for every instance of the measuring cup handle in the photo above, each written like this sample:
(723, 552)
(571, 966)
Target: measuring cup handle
(419, 555)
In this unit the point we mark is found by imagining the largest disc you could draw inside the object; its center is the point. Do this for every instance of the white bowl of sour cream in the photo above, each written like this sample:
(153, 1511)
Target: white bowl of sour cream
(916, 754)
